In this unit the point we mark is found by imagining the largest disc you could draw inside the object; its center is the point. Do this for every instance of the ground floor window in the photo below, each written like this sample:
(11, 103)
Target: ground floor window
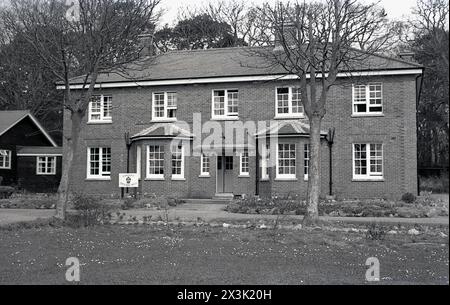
(46, 165)
(368, 161)
(155, 164)
(286, 157)
(204, 165)
(244, 169)
(265, 159)
(306, 161)
(5, 159)
(177, 162)
(99, 163)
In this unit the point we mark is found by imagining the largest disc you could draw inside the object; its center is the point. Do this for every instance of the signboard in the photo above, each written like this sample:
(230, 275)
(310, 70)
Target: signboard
(128, 180)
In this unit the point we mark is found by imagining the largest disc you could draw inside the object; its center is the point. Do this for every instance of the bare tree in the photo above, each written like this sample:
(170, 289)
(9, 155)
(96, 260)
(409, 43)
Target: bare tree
(316, 41)
(90, 37)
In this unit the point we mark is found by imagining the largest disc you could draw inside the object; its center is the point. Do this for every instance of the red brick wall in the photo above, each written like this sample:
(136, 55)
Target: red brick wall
(396, 130)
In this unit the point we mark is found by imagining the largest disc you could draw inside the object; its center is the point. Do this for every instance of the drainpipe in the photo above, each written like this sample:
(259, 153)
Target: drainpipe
(330, 141)
(418, 93)
(128, 144)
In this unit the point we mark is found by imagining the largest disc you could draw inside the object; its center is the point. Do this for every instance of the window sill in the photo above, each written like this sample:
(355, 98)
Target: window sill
(98, 179)
(368, 180)
(178, 179)
(163, 120)
(154, 179)
(6, 168)
(264, 179)
(286, 179)
(204, 176)
(244, 176)
(45, 174)
(369, 115)
(229, 118)
(288, 117)
(99, 122)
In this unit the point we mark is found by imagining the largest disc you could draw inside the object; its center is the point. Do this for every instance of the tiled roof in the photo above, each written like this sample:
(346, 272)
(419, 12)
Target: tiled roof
(225, 62)
(8, 118)
(287, 127)
(163, 130)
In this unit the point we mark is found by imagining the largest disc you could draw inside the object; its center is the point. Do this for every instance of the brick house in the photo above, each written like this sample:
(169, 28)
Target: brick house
(372, 110)
(29, 157)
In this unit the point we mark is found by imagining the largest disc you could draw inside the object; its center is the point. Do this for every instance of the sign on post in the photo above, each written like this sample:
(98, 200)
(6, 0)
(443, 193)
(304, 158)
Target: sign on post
(128, 180)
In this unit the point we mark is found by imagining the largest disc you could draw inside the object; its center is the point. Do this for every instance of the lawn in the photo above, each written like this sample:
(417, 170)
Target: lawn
(206, 255)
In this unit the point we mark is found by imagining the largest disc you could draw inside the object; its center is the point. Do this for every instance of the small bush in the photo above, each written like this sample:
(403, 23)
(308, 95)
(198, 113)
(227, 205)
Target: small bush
(408, 198)
(435, 184)
(6, 191)
(91, 210)
(375, 232)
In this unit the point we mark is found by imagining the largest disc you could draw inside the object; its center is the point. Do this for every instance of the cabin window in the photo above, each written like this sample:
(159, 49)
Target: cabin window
(5, 159)
(46, 165)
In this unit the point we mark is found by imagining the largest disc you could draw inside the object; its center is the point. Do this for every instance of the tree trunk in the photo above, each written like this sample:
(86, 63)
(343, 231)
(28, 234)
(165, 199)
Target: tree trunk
(312, 212)
(70, 147)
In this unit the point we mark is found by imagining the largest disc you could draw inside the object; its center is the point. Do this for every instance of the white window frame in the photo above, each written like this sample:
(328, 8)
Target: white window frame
(47, 171)
(290, 113)
(102, 175)
(179, 176)
(204, 159)
(306, 158)
(286, 176)
(167, 107)
(6, 156)
(155, 176)
(227, 114)
(138, 161)
(367, 100)
(244, 157)
(103, 118)
(370, 175)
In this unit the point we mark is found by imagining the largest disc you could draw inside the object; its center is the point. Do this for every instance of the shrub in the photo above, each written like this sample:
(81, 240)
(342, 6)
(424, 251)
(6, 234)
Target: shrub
(408, 198)
(6, 191)
(375, 232)
(435, 184)
(128, 203)
(91, 210)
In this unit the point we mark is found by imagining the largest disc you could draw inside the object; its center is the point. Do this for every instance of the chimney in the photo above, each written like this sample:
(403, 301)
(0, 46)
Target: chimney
(288, 32)
(145, 45)
(407, 55)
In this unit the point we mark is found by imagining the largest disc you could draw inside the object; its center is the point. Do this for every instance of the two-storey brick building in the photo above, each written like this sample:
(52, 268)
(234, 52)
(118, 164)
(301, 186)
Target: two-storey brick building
(180, 112)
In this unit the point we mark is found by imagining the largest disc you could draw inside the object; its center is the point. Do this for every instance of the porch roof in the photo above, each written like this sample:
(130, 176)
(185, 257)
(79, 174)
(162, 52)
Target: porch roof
(163, 130)
(287, 128)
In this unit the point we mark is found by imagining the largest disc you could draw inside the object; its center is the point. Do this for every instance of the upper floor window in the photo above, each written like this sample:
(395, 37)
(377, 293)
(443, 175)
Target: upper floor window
(286, 157)
(164, 106)
(289, 102)
(368, 161)
(100, 109)
(99, 163)
(225, 103)
(368, 99)
(5, 159)
(46, 165)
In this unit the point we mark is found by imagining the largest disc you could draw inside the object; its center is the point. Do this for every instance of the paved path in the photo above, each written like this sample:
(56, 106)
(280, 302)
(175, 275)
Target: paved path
(8, 216)
(213, 212)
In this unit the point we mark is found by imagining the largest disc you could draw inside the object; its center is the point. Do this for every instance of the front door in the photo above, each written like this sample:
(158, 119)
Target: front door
(225, 174)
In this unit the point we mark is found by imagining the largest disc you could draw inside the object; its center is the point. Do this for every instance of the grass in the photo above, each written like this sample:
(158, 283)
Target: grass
(206, 255)
(438, 185)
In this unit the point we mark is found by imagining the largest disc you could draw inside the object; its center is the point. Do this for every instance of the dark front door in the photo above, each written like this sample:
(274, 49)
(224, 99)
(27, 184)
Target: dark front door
(225, 174)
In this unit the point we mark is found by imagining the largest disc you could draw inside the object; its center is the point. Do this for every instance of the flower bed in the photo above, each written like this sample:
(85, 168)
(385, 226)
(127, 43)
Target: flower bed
(423, 206)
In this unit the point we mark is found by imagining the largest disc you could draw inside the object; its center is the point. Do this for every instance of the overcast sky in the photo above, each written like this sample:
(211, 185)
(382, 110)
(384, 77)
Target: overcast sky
(396, 9)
